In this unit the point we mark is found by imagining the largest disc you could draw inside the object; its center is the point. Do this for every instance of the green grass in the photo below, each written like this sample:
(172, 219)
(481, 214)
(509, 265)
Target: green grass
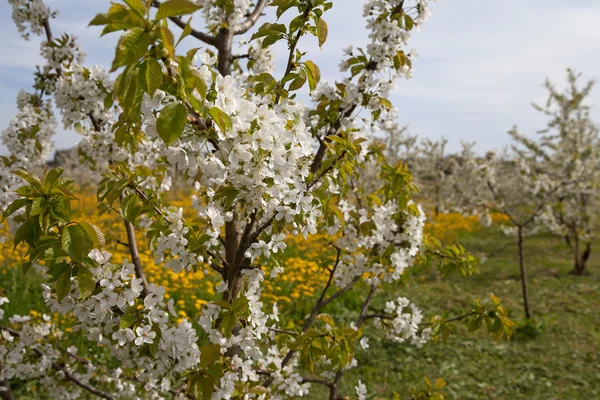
(562, 362)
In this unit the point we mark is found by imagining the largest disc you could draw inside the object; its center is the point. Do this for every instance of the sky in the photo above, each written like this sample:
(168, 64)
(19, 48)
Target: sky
(481, 63)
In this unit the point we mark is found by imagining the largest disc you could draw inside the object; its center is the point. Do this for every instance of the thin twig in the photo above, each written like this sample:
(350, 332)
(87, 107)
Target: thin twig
(252, 18)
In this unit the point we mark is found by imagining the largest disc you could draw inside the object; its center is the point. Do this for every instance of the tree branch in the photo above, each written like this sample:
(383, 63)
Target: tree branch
(453, 319)
(319, 381)
(135, 255)
(333, 389)
(83, 385)
(290, 61)
(252, 18)
(68, 376)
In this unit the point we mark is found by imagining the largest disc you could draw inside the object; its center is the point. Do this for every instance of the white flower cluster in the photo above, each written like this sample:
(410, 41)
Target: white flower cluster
(215, 14)
(28, 353)
(62, 53)
(404, 323)
(388, 38)
(360, 248)
(249, 339)
(28, 138)
(287, 383)
(80, 93)
(263, 156)
(29, 134)
(101, 317)
(361, 391)
(261, 59)
(172, 245)
(29, 16)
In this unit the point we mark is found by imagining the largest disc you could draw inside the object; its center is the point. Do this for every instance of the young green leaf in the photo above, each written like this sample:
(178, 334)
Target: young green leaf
(151, 74)
(322, 31)
(220, 118)
(76, 242)
(94, 233)
(186, 31)
(313, 73)
(63, 284)
(85, 282)
(132, 45)
(171, 122)
(175, 8)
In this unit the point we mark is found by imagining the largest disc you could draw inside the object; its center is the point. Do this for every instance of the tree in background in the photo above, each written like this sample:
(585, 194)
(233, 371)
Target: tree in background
(428, 161)
(568, 150)
(517, 185)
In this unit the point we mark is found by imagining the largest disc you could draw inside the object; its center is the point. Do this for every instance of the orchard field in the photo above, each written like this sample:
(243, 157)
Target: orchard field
(557, 358)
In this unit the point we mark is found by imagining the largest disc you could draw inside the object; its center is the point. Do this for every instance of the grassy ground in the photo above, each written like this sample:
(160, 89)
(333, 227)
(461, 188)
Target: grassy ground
(562, 362)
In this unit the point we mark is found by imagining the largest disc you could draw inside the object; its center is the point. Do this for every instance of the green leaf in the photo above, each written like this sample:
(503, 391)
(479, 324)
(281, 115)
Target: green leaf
(188, 73)
(131, 92)
(313, 73)
(128, 319)
(52, 178)
(132, 45)
(36, 207)
(152, 75)
(153, 347)
(221, 119)
(14, 207)
(299, 81)
(94, 233)
(76, 242)
(408, 22)
(209, 354)
(100, 19)
(168, 40)
(137, 6)
(85, 282)
(228, 323)
(24, 234)
(63, 284)
(175, 8)
(25, 267)
(171, 122)
(322, 31)
(29, 178)
(276, 30)
(130, 208)
(283, 6)
(201, 387)
(56, 270)
(186, 31)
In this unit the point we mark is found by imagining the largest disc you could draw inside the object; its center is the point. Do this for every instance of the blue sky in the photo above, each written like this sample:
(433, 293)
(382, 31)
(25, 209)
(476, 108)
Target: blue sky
(481, 63)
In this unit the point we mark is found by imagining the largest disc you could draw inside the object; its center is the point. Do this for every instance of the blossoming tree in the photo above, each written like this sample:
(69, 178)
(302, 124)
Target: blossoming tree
(262, 166)
(568, 148)
(516, 184)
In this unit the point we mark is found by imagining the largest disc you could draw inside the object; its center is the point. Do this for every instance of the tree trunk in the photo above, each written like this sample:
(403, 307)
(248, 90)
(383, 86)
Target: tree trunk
(232, 229)
(528, 313)
(581, 260)
(224, 47)
(5, 392)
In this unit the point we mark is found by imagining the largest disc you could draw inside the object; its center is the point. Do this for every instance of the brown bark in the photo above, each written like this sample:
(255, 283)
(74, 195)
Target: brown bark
(5, 392)
(581, 260)
(528, 313)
